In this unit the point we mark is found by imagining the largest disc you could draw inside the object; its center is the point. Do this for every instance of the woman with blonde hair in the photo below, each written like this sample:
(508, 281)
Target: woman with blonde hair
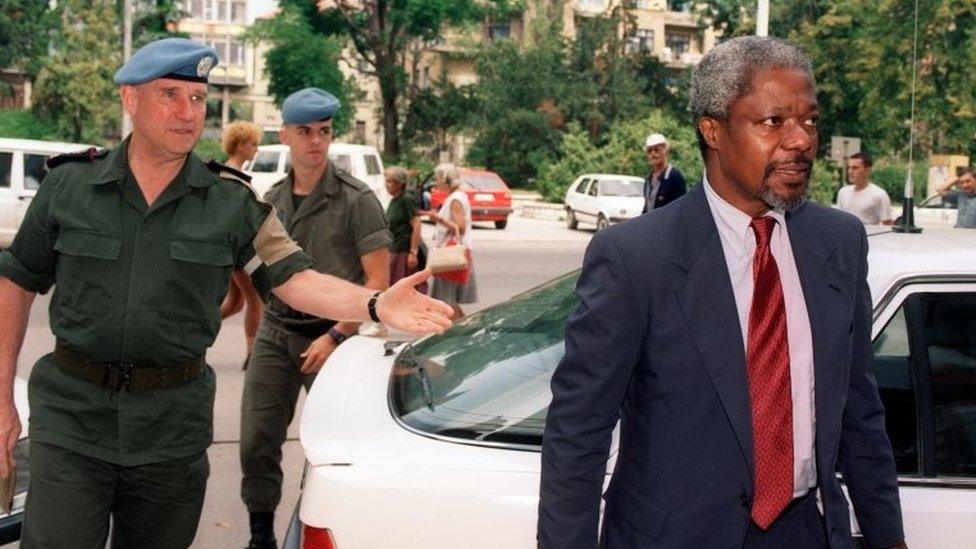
(240, 143)
(453, 221)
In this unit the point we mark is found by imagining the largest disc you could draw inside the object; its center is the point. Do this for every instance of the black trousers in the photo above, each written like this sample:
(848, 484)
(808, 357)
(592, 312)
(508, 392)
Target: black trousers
(72, 496)
(801, 526)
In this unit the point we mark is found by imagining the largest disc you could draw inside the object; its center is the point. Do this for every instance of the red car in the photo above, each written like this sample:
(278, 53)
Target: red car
(490, 197)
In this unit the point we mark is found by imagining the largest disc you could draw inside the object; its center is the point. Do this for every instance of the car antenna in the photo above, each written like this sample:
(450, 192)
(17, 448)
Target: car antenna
(907, 224)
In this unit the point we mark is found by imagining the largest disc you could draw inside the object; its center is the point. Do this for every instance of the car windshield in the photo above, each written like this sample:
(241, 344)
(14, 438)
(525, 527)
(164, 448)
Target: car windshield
(487, 378)
(484, 182)
(621, 187)
(265, 161)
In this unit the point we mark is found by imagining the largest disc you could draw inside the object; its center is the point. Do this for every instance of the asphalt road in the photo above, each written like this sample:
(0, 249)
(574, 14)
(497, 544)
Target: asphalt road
(507, 262)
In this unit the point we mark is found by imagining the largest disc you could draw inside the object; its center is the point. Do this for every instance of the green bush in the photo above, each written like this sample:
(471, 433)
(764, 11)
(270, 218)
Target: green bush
(209, 148)
(889, 174)
(623, 153)
(20, 124)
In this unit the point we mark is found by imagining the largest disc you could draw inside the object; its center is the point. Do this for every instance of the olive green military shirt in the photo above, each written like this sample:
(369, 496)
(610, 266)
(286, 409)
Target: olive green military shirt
(337, 223)
(141, 284)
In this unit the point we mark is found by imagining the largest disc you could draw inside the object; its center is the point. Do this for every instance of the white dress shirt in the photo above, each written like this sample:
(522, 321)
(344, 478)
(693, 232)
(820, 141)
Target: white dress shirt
(739, 246)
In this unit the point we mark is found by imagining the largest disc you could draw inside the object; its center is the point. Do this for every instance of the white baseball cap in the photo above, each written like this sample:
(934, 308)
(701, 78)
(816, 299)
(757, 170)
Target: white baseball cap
(655, 139)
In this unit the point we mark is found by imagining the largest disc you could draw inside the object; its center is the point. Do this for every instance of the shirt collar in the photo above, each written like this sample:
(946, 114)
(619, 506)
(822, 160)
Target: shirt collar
(193, 173)
(732, 222)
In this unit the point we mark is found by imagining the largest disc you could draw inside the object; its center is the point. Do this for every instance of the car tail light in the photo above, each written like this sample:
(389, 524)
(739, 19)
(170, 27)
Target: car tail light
(317, 538)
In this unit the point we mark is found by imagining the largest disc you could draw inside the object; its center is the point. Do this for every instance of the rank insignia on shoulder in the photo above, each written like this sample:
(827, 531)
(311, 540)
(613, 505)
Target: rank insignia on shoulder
(225, 171)
(88, 155)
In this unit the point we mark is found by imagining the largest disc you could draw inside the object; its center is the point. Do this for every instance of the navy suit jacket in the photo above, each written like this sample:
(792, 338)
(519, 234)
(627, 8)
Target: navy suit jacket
(656, 343)
(671, 188)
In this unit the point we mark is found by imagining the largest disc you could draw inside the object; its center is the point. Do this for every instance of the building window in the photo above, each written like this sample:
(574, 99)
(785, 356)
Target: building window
(499, 31)
(360, 131)
(679, 43)
(221, 10)
(642, 40)
(592, 4)
(238, 12)
(195, 7)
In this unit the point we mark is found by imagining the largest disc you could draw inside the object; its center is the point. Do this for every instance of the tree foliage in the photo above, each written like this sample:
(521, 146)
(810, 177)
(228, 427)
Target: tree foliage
(74, 88)
(299, 57)
(24, 33)
(383, 33)
(155, 19)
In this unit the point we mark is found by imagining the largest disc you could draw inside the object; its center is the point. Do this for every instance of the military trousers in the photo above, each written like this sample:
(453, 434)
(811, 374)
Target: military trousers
(272, 383)
(71, 498)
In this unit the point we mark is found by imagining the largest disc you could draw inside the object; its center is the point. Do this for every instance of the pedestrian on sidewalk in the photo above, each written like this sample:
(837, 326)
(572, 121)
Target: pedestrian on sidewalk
(404, 222)
(453, 221)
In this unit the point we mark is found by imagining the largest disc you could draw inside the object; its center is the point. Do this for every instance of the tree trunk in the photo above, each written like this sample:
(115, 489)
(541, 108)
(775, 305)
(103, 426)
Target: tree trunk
(391, 117)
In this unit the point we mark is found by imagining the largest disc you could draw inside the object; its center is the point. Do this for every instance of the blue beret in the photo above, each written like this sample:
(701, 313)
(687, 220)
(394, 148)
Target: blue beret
(308, 105)
(177, 58)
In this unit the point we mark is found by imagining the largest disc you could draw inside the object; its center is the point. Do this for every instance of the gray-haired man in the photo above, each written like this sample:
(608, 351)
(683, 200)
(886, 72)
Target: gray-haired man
(739, 402)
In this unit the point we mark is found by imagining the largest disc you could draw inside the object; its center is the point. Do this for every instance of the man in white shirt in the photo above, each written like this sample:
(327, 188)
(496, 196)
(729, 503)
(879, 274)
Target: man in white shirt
(867, 201)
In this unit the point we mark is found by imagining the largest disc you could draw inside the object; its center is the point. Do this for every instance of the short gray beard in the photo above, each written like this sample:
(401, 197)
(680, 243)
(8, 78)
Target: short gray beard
(776, 202)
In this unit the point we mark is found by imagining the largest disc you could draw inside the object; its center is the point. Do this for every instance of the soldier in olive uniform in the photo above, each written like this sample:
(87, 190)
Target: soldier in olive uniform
(339, 222)
(139, 244)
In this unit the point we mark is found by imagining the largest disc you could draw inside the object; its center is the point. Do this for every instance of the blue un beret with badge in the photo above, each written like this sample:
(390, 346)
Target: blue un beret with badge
(308, 105)
(176, 58)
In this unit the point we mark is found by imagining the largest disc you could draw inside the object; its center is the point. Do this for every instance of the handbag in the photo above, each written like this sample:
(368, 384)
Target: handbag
(451, 262)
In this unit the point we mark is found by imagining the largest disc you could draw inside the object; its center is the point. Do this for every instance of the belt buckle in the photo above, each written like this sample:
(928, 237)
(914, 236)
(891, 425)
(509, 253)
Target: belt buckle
(119, 375)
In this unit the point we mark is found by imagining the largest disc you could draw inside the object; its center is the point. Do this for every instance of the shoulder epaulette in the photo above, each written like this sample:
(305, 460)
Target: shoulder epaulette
(351, 180)
(88, 155)
(226, 172)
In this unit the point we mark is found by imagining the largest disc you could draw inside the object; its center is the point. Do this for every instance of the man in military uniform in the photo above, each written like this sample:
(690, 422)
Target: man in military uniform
(339, 222)
(139, 243)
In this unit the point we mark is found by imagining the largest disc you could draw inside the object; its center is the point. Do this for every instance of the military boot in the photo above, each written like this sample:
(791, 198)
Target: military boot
(262, 531)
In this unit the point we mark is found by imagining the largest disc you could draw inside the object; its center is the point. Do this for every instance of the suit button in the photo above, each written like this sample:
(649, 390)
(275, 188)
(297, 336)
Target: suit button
(744, 500)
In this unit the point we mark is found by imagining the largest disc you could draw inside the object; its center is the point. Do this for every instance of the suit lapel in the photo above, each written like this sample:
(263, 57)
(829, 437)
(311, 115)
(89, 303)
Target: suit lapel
(823, 284)
(707, 302)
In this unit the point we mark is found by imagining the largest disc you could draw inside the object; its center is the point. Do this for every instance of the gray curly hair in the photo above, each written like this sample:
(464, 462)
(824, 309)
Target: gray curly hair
(449, 173)
(725, 74)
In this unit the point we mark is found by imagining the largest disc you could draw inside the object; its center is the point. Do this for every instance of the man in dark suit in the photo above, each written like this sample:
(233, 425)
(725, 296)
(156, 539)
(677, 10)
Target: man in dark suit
(730, 334)
(664, 183)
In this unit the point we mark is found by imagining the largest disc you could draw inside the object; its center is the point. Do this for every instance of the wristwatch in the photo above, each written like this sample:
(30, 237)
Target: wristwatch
(371, 307)
(336, 335)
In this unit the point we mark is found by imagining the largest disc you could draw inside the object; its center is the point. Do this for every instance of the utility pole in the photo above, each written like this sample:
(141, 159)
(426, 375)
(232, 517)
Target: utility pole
(762, 18)
(126, 54)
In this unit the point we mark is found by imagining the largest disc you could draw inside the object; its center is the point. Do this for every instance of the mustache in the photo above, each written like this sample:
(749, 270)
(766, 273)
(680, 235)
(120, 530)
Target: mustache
(798, 161)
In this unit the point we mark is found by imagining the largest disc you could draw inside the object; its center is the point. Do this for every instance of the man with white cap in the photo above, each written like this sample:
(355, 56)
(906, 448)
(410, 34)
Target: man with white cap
(139, 243)
(664, 184)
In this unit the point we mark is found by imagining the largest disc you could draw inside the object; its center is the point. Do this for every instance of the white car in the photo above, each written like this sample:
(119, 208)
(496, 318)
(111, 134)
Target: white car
(935, 211)
(21, 171)
(435, 444)
(603, 199)
(272, 162)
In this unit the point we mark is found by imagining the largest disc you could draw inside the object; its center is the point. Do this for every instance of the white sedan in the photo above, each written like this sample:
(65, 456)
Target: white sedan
(436, 444)
(603, 199)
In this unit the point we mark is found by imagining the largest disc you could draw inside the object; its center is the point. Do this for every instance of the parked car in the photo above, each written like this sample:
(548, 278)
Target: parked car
(10, 523)
(420, 444)
(272, 162)
(21, 172)
(935, 211)
(490, 197)
(603, 199)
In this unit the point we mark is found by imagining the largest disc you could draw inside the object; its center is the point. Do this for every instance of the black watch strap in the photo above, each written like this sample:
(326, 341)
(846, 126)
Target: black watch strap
(371, 306)
(337, 336)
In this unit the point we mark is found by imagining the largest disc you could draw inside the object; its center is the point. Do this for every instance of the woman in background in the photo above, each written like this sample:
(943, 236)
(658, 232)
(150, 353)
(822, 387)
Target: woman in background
(240, 143)
(453, 222)
(401, 215)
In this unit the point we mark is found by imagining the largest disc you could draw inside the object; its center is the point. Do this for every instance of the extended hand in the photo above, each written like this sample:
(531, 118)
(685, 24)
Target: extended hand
(317, 353)
(9, 434)
(404, 308)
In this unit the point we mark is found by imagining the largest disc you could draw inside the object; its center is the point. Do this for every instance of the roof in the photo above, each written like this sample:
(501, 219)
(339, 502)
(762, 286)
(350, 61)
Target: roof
(935, 251)
(34, 145)
(612, 176)
(334, 148)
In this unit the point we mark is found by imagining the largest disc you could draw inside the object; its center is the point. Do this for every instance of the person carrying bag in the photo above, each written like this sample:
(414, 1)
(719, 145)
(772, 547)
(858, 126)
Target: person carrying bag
(451, 255)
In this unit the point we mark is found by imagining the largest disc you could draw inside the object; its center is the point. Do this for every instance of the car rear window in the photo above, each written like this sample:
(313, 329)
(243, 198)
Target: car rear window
(34, 170)
(265, 161)
(342, 161)
(484, 182)
(621, 187)
(486, 380)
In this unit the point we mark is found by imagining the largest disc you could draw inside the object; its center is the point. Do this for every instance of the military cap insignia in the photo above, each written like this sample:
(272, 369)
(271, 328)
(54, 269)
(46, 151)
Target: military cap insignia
(88, 155)
(204, 66)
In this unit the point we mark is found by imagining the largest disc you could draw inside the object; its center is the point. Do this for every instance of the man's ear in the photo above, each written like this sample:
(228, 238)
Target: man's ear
(127, 94)
(710, 129)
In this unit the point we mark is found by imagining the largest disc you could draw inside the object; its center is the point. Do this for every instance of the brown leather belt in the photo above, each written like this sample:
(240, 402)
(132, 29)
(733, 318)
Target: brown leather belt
(129, 376)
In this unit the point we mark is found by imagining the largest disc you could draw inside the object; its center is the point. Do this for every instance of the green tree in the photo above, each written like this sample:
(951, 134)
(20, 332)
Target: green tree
(438, 112)
(382, 31)
(300, 57)
(155, 19)
(24, 33)
(74, 88)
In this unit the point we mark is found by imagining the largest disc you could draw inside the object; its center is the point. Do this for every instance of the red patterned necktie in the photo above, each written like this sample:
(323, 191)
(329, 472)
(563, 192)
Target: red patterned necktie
(768, 362)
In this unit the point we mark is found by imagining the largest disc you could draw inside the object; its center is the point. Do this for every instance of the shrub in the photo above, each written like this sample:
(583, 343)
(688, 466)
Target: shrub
(25, 125)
